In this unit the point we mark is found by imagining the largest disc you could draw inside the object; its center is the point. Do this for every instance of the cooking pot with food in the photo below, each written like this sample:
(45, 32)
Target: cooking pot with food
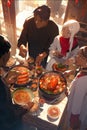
(52, 85)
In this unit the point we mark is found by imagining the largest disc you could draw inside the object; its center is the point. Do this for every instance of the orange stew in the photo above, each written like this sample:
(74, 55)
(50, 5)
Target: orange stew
(52, 83)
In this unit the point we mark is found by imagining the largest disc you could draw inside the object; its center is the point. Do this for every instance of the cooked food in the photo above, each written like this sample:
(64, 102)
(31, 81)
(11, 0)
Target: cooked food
(53, 112)
(18, 75)
(23, 74)
(22, 96)
(11, 62)
(39, 69)
(52, 83)
(60, 67)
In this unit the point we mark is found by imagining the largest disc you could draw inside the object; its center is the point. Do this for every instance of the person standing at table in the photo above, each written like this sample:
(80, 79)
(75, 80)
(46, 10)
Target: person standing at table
(39, 32)
(65, 46)
(77, 100)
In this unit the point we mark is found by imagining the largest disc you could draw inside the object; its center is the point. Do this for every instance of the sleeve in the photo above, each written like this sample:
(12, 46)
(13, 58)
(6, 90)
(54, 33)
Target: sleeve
(78, 98)
(23, 37)
(55, 46)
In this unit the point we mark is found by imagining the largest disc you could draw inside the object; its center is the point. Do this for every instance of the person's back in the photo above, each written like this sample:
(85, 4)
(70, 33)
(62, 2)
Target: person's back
(10, 114)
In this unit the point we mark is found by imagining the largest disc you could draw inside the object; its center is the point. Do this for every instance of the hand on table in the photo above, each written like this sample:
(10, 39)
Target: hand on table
(57, 54)
(40, 58)
(28, 106)
(23, 51)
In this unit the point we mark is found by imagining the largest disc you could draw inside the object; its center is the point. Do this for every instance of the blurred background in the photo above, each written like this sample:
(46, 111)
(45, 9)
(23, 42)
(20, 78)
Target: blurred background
(14, 12)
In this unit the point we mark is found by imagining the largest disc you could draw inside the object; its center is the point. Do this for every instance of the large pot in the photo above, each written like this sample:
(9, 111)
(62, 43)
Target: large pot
(52, 85)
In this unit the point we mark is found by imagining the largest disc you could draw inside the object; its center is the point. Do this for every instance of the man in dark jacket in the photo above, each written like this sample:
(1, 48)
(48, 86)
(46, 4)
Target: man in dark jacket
(39, 32)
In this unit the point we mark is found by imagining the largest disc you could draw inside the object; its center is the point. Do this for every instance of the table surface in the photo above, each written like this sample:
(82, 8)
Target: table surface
(42, 121)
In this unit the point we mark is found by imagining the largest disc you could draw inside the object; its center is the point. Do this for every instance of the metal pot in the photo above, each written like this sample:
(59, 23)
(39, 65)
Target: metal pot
(49, 95)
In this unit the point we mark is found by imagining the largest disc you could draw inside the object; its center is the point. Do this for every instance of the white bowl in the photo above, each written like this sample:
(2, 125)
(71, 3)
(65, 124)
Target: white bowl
(53, 112)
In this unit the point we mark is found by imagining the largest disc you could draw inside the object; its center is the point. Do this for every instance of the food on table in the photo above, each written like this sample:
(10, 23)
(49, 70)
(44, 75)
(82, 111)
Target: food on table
(11, 62)
(33, 86)
(42, 101)
(30, 60)
(39, 69)
(22, 96)
(53, 112)
(23, 76)
(59, 67)
(35, 107)
(52, 83)
(18, 75)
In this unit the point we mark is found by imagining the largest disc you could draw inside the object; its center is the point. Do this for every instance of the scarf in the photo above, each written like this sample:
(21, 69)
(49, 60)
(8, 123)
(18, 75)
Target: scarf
(65, 45)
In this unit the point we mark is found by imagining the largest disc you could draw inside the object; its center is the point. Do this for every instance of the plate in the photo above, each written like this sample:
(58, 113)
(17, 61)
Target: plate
(22, 96)
(60, 67)
(19, 75)
(11, 62)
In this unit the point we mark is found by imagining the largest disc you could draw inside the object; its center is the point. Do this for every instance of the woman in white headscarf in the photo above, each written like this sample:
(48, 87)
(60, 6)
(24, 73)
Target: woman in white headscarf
(64, 46)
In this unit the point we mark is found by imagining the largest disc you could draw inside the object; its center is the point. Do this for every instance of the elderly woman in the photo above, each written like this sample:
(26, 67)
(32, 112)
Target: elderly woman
(64, 46)
(77, 102)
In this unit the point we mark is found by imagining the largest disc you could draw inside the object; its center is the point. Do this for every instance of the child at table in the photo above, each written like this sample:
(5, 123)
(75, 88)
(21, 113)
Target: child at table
(77, 101)
(64, 46)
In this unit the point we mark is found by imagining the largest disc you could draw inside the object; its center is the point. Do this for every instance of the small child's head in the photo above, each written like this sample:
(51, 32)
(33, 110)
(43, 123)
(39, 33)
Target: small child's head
(70, 28)
(81, 58)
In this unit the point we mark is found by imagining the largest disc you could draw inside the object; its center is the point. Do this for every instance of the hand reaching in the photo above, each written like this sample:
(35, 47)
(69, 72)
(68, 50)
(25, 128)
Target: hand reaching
(23, 51)
(57, 54)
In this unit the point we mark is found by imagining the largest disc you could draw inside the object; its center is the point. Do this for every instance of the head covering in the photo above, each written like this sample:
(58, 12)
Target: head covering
(74, 28)
(43, 11)
(4, 45)
(84, 51)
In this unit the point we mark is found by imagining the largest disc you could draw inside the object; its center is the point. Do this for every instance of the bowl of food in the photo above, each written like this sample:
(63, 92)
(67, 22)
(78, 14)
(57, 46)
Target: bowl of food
(60, 67)
(52, 85)
(53, 112)
(22, 96)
